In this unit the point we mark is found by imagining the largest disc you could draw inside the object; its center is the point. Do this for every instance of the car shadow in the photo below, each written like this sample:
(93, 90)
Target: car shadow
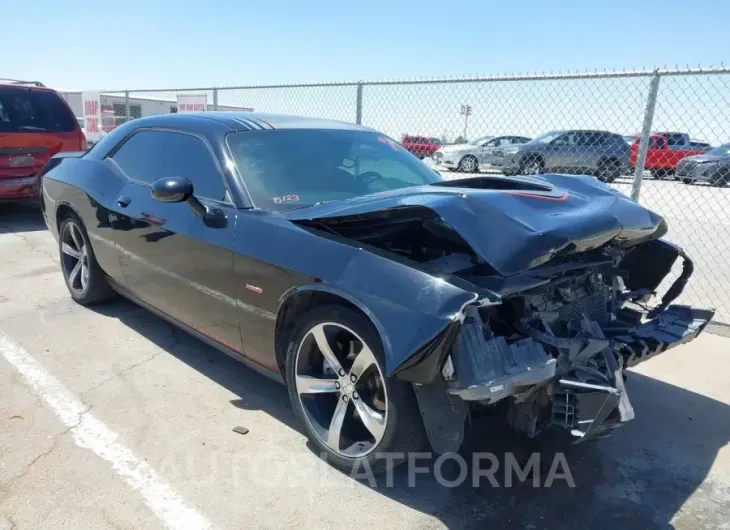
(639, 478)
(21, 218)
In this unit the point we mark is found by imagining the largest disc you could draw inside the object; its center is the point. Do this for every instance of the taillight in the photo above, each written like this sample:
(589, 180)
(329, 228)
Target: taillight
(82, 141)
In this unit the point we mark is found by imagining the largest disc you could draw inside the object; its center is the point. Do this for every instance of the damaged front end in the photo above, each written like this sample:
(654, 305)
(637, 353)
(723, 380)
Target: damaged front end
(553, 354)
(552, 277)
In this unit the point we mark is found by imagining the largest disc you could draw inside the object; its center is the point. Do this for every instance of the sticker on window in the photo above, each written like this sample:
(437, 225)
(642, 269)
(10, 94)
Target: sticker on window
(286, 198)
(393, 145)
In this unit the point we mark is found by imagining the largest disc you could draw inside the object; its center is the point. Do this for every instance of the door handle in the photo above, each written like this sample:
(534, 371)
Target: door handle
(123, 201)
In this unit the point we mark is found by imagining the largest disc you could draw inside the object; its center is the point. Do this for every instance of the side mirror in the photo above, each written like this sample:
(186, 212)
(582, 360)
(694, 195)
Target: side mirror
(177, 189)
(172, 189)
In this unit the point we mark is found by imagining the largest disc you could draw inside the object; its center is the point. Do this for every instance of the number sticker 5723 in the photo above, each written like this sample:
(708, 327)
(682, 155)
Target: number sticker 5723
(286, 198)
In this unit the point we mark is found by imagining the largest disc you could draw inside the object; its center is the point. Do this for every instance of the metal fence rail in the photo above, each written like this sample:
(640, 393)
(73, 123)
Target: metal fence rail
(660, 117)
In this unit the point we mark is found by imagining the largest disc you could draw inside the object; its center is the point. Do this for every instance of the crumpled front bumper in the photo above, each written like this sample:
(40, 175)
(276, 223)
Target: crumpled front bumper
(584, 384)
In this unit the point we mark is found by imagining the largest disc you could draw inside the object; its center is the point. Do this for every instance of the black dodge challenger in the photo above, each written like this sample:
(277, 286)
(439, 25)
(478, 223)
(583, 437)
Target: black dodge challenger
(395, 306)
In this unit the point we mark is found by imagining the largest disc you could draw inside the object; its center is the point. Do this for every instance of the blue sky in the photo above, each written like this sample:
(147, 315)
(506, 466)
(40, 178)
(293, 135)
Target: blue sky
(159, 43)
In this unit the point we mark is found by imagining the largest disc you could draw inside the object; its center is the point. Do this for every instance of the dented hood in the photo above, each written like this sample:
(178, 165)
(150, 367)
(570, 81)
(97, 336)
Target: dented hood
(512, 223)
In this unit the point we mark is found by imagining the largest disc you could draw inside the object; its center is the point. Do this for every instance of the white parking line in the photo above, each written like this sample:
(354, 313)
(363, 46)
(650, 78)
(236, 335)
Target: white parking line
(90, 433)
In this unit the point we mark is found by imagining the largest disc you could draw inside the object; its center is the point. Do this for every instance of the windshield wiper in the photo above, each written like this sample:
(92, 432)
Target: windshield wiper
(31, 128)
(307, 205)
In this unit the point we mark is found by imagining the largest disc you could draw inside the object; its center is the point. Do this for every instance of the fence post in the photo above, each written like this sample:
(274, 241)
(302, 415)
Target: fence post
(126, 106)
(358, 104)
(645, 134)
(215, 98)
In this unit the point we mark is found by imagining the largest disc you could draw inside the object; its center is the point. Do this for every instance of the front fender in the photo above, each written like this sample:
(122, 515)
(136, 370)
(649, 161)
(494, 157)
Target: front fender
(414, 312)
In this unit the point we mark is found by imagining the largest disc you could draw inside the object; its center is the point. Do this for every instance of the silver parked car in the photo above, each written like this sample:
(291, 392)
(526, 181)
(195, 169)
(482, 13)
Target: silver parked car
(484, 151)
(599, 153)
(712, 167)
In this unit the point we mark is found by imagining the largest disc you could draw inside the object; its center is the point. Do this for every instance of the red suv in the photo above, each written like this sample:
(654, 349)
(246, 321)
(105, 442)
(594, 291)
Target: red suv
(35, 124)
(421, 146)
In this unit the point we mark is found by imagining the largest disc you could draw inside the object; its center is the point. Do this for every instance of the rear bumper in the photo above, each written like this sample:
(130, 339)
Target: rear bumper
(19, 188)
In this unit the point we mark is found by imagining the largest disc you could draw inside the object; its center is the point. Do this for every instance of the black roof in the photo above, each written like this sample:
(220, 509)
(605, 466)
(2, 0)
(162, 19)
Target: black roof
(246, 121)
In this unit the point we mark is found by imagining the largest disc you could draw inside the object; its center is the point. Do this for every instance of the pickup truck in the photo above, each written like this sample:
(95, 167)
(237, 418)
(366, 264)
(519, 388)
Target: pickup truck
(665, 151)
(421, 146)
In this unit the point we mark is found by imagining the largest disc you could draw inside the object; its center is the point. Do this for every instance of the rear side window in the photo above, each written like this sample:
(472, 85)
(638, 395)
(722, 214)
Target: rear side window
(28, 110)
(675, 139)
(589, 139)
(151, 155)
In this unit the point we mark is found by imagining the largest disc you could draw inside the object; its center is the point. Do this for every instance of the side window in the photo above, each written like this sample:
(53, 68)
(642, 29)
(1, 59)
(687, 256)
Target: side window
(658, 142)
(151, 155)
(566, 139)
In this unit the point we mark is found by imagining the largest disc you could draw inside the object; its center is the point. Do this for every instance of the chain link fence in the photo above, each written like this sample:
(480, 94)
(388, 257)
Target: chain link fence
(659, 136)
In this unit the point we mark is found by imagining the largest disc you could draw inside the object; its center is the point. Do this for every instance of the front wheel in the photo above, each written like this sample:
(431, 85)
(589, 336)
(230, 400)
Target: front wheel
(351, 412)
(468, 164)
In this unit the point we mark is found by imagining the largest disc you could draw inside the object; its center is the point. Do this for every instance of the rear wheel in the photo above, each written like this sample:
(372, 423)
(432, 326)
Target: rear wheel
(608, 171)
(351, 412)
(532, 166)
(687, 180)
(719, 180)
(84, 278)
(468, 164)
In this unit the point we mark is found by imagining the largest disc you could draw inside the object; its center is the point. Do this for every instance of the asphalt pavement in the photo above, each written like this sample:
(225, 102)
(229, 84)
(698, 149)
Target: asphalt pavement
(111, 418)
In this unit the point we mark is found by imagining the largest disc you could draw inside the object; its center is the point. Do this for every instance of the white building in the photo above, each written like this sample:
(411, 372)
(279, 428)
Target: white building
(114, 110)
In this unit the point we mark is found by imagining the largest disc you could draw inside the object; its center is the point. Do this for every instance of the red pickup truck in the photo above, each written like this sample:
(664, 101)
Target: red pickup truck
(666, 149)
(421, 146)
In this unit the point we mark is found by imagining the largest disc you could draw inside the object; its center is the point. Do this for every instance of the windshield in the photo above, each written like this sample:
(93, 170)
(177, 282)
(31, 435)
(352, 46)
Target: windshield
(481, 140)
(546, 138)
(723, 150)
(295, 168)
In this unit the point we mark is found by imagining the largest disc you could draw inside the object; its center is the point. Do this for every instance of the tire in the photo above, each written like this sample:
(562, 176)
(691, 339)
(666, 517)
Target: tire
(687, 180)
(469, 164)
(318, 394)
(85, 280)
(532, 165)
(719, 180)
(608, 171)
